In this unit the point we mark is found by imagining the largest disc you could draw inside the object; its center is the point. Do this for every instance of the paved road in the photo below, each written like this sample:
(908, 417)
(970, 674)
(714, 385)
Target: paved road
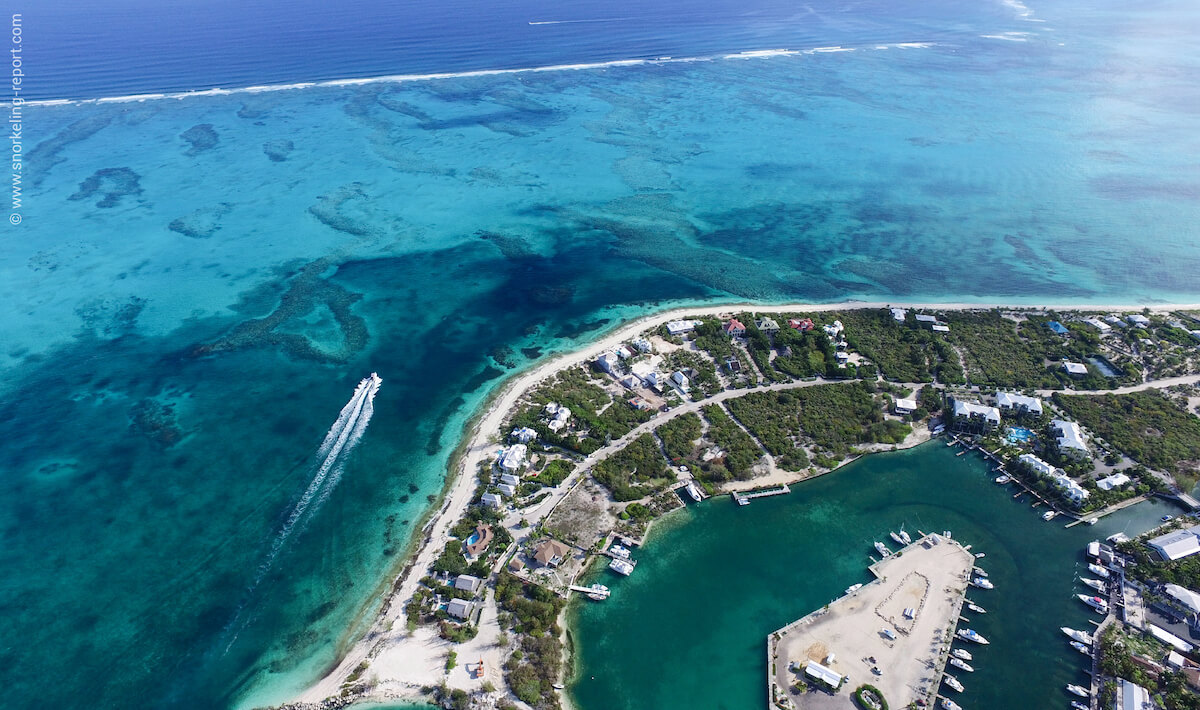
(1149, 384)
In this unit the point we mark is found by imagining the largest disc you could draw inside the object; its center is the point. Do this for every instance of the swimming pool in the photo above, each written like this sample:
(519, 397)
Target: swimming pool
(474, 538)
(1018, 435)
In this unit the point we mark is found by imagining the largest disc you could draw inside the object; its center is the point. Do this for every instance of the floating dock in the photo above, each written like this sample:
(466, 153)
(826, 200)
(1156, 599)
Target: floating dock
(745, 498)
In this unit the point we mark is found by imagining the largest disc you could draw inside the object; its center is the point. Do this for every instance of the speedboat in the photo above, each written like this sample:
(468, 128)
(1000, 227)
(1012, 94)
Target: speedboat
(979, 555)
(599, 592)
(1099, 571)
(1096, 603)
(1093, 583)
(1002, 479)
(693, 491)
(1167, 518)
(1077, 690)
(1082, 648)
(980, 571)
(1076, 705)
(619, 551)
(976, 608)
(962, 653)
(952, 682)
(961, 664)
(853, 588)
(948, 704)
(623, 567)
(1049, 515)
(883, 549)
(1081, 636)
(982, 583)
(972, 636)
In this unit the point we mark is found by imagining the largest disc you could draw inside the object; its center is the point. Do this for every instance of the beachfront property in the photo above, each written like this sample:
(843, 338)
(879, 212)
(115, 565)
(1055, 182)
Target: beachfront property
(1075, 369)
(550, 553)
(768, 325)
(1070, 489)
(1099, 325)
(557, 415)
(460, 608)
(801, 324)
(679, 327)
(898, 621)
(523, 435)
(513, 458)
(642, 345)
(899, 314)
(834, 329)
(492, 500)
(647, 372)
(479, 540)
(972, 413)
(926, 319)
(734, 328)
(607, 362)
(1178, 544)
(1138, 320)
(1018, 403)
(1057, 328)
(623, 352)
(507, 489)
(940, 328)
(509, 479)
(1070, 441)
(467, 583)
(1116, 480)
(904, 406)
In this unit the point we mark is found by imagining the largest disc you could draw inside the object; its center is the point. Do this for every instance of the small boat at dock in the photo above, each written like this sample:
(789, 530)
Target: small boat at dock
(694, 491)
(1080, 691)
(1049, 515)
(619, 551)
(1093, 583)
(972, 636)
(599, 592)
(1082, 648)
(1002, 479)
(1096, 603)
(897, 539)
(620, 566)
(948, 704)
(961, 664)
(979, 571)
(952, 683)
(976, 608)
(982, 583)
(1076, 705)
(1099, 571)
(962, 653)
(853, 588)
(883, 549)
(1081, 636)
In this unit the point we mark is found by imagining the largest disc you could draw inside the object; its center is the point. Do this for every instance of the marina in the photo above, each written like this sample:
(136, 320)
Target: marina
(744, 498)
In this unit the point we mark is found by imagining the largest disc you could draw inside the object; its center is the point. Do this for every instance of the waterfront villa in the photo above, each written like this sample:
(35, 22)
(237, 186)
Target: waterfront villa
(899, 314)
(524, 435)
(607, 362)
(482, 537)
(1139, 320)
(835, 329)
(1018, 403)
(801, 324)
(623, 352)
(467, 583)
(646, 372)
(1177, 545)
(734, 328)
(1070, 439)
(460, 608)
(507, 489)
(513, 458)
(972, 413)
(1116, 480)
(641, 345)
(558, 415)
(679, 327)
(1099, 325)
(905, 406)
(492, 500)
(550, 553)
(1072, 490)
(768, 325)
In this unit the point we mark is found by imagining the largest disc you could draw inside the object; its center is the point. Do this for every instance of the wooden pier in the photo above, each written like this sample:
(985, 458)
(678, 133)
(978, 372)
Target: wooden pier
(589, 591)
(745, 498)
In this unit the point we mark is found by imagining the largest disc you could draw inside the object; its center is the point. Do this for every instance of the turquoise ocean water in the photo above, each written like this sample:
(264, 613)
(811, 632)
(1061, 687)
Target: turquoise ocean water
(198, 284)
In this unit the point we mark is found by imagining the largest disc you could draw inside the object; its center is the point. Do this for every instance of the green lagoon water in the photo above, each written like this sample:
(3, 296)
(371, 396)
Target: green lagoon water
(688, 629)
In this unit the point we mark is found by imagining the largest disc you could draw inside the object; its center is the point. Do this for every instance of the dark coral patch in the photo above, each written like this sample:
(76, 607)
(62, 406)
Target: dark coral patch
(202, 137)
(111, 184)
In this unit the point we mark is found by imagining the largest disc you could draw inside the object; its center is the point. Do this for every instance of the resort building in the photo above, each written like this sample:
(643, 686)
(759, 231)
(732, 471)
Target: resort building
(679, 327)
(1114, 321)
(899, 314)
(467, 583)
(768, 325)
(524, 435)
(1075, 368)
(1070, 439)
(1072, 490)
(1131, 696)
(1099, 325)
(1018, 403)
(607, 362)
(801, 324)
(492, 500)
(970, 412)
(513, 457)
(550, 553)
(641, 345)
(1177, 545)
(1116, 480)
(1139, 320)
(734, 328)
(1057, 328)
(905, 406)
(460, 608)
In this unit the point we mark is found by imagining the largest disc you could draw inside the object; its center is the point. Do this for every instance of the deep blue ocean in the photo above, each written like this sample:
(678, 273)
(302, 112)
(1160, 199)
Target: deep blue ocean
(199, 283)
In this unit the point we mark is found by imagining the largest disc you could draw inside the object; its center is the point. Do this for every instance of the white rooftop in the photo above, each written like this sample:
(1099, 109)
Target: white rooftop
(1184, 596)
(973, 410)
(1070, 436)
(899, 314)
(924, 318)
(1178, 544)
(1008, 400)
(1075, 368)
(822, 673)
(1169, 638)
(1114, 481)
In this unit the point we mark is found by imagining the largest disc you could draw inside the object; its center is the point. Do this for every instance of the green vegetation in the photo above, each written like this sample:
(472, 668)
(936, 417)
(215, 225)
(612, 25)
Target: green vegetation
(635, 471)
(1147, 568)
(679, 436)
(534, 668)
(575, 388)
(1147, 426)
(1117, 650)
(699, 369)
(451, 660)
(740, 450)
(870, 698)
(902, 353)
(832, 417)
(555, 472)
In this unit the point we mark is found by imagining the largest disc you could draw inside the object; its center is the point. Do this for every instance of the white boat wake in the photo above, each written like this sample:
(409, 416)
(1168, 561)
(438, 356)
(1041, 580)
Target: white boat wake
(343, 436)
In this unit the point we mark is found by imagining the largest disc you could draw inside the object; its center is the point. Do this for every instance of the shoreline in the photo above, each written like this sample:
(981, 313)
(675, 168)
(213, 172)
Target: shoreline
(481, 427)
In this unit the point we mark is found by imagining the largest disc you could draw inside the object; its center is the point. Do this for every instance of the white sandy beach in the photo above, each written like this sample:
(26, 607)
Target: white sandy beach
(407, 659)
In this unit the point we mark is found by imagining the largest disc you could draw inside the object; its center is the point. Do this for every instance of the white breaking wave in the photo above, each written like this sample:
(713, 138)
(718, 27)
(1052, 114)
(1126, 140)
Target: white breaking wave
(342, 437)
(577, 22)
(403, 78)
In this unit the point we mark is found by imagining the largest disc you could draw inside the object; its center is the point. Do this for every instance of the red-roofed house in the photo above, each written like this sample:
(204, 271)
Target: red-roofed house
(801, 324)
(734, 328)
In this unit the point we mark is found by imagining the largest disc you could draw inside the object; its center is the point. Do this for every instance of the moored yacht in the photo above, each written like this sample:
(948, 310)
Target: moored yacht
(1049, 515)
(883, 549)
(1096, 603)
(952, 682)
(972, 636)
(962, 653)
(982, 583)
(948, 704)
(976, 608)
(1079, 690)
(619, 551)
(1081, 636)
(1082, 648)
(1099, 571)
(961, 664)
(1093, 583)
(693, 491)
(624, 567)
(1003, 478)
